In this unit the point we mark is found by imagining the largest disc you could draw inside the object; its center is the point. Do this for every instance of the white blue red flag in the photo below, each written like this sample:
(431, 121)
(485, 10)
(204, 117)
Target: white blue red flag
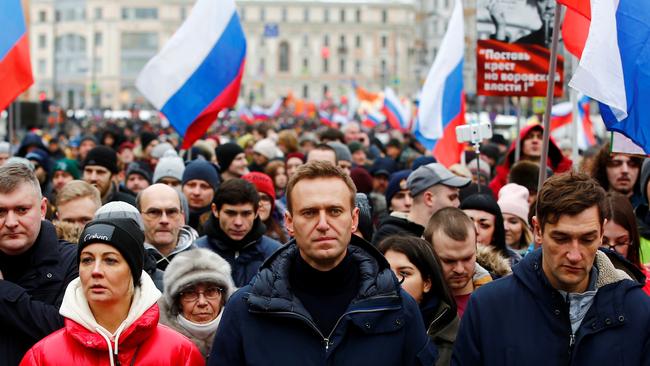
(15, 67)
(442, 100)
(198, 72)
(562, 118)
(396, 113)
(614, 67)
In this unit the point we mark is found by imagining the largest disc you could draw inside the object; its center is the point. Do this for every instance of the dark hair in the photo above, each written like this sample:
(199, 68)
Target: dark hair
(319, 169)
(599, 169)
(622, 213)
(452, 221)
(487, 203)
(569, 194)
(236, 192)
(421, 254)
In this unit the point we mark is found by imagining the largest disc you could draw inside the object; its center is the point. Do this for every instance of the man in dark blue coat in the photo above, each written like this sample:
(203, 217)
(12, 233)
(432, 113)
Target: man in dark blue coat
(327, 297)
(35, 267)
(565, 304)
(235, 232)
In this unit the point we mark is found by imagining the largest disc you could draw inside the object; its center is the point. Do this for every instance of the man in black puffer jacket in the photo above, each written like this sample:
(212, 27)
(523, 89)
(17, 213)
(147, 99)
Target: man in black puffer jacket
(35, 267)
(328, 294)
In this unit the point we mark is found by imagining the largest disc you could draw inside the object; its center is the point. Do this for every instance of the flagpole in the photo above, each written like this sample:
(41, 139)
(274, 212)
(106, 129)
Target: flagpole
(518, 145)
(10, 123)
(573, 97)
(549, 95)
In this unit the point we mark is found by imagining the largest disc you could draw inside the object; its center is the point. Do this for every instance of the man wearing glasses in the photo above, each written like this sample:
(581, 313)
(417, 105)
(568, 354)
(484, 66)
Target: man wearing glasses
(165, 233)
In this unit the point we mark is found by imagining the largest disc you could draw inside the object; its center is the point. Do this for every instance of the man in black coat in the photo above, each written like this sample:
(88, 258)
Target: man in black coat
(35, 267)
(99, 168)
(327, 297)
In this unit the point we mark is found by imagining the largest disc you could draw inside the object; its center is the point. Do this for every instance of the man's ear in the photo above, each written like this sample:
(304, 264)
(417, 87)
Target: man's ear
(427, 198)
(43, 208)
(288, 223)
(215, 212)
(355, 219)
(537, 232)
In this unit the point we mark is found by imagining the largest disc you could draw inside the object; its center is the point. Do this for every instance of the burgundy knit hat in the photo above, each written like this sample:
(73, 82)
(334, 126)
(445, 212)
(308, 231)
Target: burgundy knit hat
(263, 183)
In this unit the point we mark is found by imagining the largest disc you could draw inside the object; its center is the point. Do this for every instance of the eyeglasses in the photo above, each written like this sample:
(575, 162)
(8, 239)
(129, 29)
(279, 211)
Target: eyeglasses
(210, 293)
(615, 246)
(156, 213)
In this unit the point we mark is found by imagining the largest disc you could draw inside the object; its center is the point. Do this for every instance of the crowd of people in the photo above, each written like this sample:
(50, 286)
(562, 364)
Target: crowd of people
(294, 243)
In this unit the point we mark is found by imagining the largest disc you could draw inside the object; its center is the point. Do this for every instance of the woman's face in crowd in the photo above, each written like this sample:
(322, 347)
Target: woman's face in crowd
(266, 203)
(514, 229)
(292, 164)
(201, 303)
(408, 274)
(105, 276)
(280, 179)
(616, 237)
(484, 223)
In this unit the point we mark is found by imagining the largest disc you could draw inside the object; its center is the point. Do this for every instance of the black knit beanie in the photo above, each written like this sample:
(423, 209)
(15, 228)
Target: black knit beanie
(202, 170)
(486, 202)
(123, 234)
(103, 156)
(146, 138)
(226, 153)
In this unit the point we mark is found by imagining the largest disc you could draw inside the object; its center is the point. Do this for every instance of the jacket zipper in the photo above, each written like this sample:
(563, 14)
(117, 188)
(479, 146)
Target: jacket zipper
(437, 318)
(326, 340)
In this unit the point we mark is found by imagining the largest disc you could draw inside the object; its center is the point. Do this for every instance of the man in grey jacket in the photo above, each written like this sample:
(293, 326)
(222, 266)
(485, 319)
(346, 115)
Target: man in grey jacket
(164, 223)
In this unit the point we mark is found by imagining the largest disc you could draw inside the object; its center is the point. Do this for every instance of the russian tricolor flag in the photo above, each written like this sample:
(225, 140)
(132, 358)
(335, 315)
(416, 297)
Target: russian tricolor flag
(442, 100)
(15, 67)
(562, 118)
(396, 113)
(198, 72)
(614, 65)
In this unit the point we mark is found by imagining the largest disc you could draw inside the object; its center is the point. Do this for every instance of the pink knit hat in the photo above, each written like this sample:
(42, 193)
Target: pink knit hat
(513, 199)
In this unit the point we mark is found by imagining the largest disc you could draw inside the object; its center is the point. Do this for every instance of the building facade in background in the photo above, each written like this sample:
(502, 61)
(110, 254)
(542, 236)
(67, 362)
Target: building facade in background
(88, 53)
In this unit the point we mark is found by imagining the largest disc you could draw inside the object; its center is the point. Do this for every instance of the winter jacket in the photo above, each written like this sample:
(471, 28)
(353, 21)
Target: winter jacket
(491, 260)
(139, 340)
(264, 323)
(32, 291)
(556, 161)
(392, 225)
(189, 268)
(532, 319)
(186, 238)
(244, 256)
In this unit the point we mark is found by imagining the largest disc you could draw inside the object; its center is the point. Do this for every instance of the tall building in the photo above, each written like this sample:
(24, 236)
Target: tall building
(432, 20)
(87, 53)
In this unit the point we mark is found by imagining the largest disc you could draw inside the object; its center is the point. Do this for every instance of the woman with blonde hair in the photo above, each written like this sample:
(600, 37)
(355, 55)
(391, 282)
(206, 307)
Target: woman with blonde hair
(513, 201)
(110, 310)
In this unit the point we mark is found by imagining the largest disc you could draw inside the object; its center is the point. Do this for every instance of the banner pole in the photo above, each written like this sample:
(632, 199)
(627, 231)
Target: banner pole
(549, 95)
(518, 137)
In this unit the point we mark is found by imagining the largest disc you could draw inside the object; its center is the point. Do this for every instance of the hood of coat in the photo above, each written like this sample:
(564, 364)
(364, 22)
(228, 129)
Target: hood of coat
(139, 323)
(554, 153)
(271, 291)
(492, 260)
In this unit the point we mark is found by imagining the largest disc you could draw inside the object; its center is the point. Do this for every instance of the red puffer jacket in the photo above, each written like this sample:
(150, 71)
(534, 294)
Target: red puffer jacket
(145, 342)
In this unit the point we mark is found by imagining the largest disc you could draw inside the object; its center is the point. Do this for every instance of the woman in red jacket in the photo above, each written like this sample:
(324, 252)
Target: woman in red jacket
(111, 315)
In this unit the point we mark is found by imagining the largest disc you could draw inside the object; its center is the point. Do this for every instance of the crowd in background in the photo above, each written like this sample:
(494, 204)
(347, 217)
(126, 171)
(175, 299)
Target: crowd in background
(190, 227)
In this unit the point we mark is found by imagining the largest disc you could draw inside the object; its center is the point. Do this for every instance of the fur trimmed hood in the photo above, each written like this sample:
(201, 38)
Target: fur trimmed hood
(190, 267)
(490, 259)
